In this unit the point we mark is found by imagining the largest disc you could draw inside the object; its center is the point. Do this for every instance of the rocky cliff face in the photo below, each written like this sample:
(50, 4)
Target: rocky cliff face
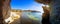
(46, 14)
(4, 10)
(43, 1)
(55, 12)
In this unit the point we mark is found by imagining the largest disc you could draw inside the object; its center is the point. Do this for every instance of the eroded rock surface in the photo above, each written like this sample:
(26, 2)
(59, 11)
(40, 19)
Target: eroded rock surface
(4, 10)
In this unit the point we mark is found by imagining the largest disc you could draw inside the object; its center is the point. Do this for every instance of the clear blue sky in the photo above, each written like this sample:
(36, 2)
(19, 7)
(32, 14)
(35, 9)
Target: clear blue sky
(26, 5)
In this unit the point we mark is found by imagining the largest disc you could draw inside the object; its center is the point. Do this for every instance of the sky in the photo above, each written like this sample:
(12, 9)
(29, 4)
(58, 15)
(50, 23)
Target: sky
(26, 5)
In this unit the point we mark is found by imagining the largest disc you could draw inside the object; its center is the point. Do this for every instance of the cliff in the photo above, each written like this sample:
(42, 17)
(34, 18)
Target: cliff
(4, 10)
(46, 14)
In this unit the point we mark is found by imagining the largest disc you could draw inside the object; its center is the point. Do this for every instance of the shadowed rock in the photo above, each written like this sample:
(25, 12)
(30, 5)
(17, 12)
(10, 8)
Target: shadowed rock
(43, 1)
(55, 10)
(46, 14)
(4, 10)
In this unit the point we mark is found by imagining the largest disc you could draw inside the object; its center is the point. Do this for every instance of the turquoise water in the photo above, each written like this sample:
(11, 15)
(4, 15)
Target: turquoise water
(34, 15)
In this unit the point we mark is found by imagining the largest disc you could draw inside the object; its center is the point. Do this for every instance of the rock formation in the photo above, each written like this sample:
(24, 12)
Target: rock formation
(43, 1)
(46, 14)
(55, 10)
(4, 10)
(18, 13)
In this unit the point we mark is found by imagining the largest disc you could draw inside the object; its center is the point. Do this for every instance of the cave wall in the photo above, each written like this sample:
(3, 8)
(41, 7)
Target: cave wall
(4, 10)
(1, 16)
(46, 15)
(43, 1)
(55, 12)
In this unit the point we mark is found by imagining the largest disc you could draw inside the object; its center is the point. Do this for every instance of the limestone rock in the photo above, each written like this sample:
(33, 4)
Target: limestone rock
(43, 1)
(4, 10)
